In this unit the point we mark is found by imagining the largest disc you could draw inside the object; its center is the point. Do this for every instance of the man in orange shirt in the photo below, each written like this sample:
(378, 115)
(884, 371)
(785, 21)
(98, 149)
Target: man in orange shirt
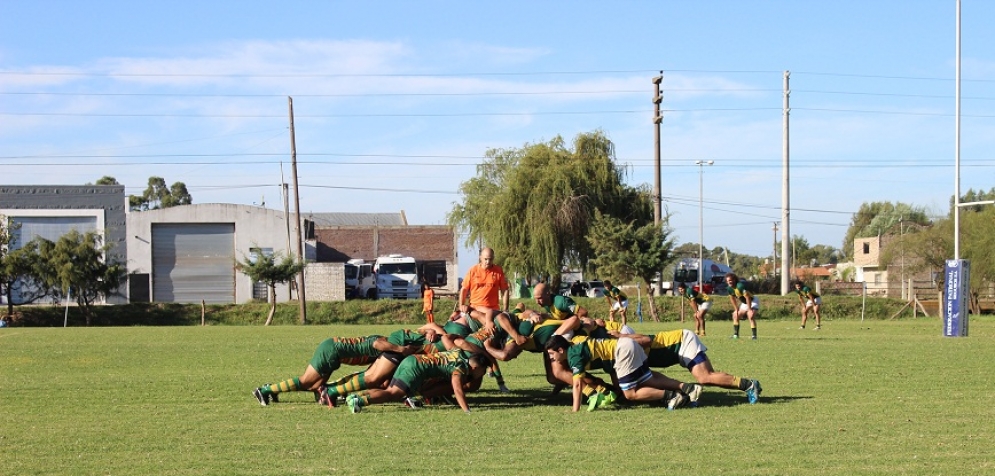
(428, 304)
(487, 289)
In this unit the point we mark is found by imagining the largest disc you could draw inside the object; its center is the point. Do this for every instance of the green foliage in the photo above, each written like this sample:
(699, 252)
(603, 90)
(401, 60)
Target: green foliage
(177, 401)
(623, 251)
(271, 269)
(881, 218)
(157, 196)
(75, 265)
(536, 204)
(107, 180)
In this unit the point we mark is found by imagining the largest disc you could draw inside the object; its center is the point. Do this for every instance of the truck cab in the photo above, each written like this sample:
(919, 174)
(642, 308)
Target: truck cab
(396, 277)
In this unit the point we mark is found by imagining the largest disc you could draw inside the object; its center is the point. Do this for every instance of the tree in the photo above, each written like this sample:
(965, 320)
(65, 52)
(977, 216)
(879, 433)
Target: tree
(262, 267)
(107, 180)
(624, 251)
(157, 196)
(877, 218)
(76, 265)
(535, 204)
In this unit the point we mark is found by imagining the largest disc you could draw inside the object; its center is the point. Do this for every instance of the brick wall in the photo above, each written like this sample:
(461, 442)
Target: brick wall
(424, 243)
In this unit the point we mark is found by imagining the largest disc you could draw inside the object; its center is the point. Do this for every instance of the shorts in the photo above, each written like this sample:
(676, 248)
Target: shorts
(326, 357)
(620, 305)
(755, 305)
(630, 364)
(705, 306)
(691, 347)
(814, 302)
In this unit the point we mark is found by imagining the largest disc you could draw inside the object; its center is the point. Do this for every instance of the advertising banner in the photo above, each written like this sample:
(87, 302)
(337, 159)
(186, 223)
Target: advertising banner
(956, 286)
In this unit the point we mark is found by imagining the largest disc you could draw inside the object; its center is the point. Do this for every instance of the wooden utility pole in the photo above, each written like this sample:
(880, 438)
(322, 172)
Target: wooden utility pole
(657, 192)
(297, 218)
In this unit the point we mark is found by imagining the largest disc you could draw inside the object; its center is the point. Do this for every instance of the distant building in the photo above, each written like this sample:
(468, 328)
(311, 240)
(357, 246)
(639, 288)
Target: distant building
(50, 211)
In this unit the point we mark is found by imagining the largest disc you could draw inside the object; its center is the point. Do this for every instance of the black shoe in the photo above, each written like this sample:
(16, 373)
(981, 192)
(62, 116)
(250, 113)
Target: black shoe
(262, 397)
(273, 397)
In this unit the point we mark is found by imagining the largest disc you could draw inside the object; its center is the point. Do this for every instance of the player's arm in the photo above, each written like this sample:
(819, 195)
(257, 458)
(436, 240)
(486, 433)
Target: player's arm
(578, 384)
(383, 345)
(570, 324)
(643, 340)
(457, 381)
(463, 291)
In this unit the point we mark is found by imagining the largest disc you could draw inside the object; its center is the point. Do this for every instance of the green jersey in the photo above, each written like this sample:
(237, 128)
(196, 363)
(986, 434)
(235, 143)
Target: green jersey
(415, 370)
(697, 297)
(616, 294)
(561, 308)
(332, 353)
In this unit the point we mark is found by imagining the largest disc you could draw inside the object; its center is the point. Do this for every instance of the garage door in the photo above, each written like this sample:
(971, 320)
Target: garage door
(193, 262)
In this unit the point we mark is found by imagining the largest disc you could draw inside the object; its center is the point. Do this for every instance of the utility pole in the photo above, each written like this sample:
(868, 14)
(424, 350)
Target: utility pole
(657, 120)
(657, 192)
(297, 219)
(285, 191)
(786, 256)
(773, 264)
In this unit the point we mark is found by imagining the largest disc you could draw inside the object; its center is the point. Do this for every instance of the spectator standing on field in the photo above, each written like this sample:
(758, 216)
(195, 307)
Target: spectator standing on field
(428, 299)
(810, 300)
(485, 290)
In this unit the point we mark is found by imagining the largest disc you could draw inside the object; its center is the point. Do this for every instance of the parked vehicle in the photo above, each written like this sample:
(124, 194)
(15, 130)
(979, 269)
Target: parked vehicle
(594, 289)
(359, 281)
(396, 278)
(712, 274)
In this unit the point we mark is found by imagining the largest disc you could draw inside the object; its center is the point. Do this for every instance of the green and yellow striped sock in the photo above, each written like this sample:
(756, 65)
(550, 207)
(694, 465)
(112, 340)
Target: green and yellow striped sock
(348, 384)
(289, 385)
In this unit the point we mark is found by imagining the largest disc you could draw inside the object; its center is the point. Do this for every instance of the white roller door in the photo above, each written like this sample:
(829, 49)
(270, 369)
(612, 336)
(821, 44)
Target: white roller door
(193, 262)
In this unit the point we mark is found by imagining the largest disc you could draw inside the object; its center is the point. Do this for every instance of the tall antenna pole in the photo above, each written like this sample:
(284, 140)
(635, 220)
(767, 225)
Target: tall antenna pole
(297, 219)
(786, 256)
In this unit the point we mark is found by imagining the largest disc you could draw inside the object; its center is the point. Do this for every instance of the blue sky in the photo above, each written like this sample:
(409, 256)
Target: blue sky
(396, 102)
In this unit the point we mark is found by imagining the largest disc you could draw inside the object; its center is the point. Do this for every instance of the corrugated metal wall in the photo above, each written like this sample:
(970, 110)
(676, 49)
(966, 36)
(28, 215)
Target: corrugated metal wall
(193, 262)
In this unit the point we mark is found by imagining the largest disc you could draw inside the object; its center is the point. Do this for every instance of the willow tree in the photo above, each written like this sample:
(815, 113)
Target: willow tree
(535, 204)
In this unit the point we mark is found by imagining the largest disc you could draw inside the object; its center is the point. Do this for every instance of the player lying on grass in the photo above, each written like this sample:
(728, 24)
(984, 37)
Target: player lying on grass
(624, 360)
(328, 357)
(416, 370)
(682, 347)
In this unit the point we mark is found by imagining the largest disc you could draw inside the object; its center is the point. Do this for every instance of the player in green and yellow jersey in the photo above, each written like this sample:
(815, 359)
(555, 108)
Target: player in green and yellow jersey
(417, 369)
(617, 302)
(625, 360)
(328, 357)
(681, 347)
(744, 303)
(810, 300)
(700, 303)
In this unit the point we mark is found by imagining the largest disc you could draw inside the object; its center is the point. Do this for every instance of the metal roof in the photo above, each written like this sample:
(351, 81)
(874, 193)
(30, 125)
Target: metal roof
(357, 219)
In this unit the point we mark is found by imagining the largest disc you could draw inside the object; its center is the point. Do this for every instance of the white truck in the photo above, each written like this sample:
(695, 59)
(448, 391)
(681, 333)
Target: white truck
(359, 282)
(712, 273)
(396, 277)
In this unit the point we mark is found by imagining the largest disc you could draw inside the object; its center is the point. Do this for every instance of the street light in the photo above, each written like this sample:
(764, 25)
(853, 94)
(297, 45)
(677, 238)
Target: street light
(701, 218)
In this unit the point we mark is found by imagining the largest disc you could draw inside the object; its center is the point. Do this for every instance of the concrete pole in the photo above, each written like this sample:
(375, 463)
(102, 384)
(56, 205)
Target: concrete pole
(786, 257)
(297, 218)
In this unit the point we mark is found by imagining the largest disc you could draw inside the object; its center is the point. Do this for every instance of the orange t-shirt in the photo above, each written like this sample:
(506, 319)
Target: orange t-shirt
(428, 304)
(484, 284)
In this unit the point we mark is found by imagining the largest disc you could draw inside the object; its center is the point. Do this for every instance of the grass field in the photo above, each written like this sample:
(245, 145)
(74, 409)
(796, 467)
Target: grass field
(872, 397)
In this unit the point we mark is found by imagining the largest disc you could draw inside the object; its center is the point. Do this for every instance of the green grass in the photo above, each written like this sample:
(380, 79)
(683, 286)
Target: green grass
(873, 397)
(409, 312)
